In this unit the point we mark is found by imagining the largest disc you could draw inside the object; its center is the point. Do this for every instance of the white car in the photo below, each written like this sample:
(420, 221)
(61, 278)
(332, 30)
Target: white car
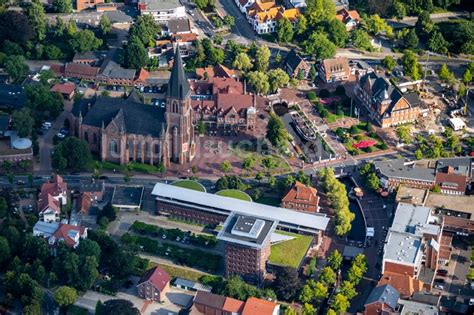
(61, 135)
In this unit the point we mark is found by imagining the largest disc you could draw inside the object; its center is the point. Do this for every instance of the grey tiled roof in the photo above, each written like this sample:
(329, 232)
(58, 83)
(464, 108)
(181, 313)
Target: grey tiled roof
(136, 118)
(398, 169)
(293, 59)
(384, 294)
(161, 5)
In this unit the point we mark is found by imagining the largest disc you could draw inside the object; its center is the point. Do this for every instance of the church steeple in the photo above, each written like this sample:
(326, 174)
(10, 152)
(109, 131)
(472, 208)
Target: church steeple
(178, 86)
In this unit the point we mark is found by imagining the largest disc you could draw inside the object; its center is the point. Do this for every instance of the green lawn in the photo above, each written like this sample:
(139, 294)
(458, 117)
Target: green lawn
(290, 253)
(176, 272)
(234, 193)
(189, 184)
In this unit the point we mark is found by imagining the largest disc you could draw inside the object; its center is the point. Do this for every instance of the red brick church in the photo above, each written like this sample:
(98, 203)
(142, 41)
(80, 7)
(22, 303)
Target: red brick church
(123, 130)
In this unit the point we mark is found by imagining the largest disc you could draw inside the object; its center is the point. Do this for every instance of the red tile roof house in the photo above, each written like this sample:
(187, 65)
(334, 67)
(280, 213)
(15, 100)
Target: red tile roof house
(334, 69)
(66, 90)
(212, 304)
(52, 195)
(154, 285)
(68, 234)
(350, 18)
(302, 198)
(451, 183)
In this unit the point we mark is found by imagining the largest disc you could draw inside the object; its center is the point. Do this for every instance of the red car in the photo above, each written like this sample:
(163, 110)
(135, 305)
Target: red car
(442, 272)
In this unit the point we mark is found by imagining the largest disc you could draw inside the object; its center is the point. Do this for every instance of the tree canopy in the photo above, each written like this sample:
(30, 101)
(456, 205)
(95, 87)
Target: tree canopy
(276, 132)
(71, 153)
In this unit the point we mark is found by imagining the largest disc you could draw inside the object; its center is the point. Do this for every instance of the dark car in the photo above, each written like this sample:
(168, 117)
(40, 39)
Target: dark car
(439, 280)
(103, 177)
(442, 272)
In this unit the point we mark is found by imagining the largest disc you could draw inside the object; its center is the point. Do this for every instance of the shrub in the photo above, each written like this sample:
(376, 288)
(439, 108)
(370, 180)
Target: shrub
(324, 113)
(312, 96)
(340, 90)
(358, 137)
(383, 146)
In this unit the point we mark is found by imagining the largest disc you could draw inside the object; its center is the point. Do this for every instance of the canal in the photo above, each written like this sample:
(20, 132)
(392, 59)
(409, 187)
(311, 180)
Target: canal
(358, 231)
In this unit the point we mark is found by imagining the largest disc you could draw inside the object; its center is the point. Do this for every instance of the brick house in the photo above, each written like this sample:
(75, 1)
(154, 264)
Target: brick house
(388, 105)
(350, 18)
(206, 303)
(382, 300)
(334, 69)
(405, 284)
(154, 285)
(295, 64)
(67, 90)
(86, 4)
(52, 196)
(81, 71)
(302, 198)
(222, 103)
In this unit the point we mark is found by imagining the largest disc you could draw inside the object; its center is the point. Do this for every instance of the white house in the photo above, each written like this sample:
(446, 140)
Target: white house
(263, 16)
(162, 10)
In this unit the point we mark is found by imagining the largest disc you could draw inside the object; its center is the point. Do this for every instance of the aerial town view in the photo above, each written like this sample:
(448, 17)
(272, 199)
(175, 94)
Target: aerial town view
(237, 157)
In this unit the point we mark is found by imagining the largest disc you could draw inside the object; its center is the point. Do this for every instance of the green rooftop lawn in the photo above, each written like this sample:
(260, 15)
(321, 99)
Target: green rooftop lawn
(189, 184)
(177, 272)
(234, 193)
(290, 253)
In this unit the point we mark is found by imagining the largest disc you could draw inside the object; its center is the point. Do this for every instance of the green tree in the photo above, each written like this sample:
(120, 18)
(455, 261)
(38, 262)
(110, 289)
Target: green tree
(308, 309)
(389, 63)
(284, 31)
(84, 40)
(277, 78)
(37, 17)
(373, 181)
(276, 132)
(16, 67)
(242, 62)
(444, 73)
(348, 290)
(418, 154)
(119, 306)
(259, 81)
(5, 252)
(145, 29)
(72, 153)
(88, 248)
(467, 77)
(262, 58)
(398, 10)
(424, 25)
(319, 45)
(3, 207)
(327, 276)
(411, 40)
(312, 73)
(229, 20)
(290, 311)
(62, 6)
(136, 56)
(340, 303)
(226, 167)
(410, 65)
(301, 25)
(287, 284)
(104, 25)
(259, 176)
(337, 32)
(335, 260)
(65, 296)
(437, 43)
(23, 122)
(375, 24)
(404, 133)
(361, 39)
(269, 163)
(88, 272)
(248, 163)
(71, 28)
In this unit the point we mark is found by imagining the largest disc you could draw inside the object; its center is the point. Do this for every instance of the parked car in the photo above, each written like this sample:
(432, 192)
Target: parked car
(439, 280)
(46, 125)
(439, 286)
(60, 135)
(442, 272)
(20, 182)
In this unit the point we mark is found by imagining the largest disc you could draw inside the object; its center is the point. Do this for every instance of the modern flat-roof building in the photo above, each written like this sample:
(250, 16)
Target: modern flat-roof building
(12, 96)
(127, 197)
(413, 241)
(162, 10)
(247, 246)
(392, 173)
(214, 209)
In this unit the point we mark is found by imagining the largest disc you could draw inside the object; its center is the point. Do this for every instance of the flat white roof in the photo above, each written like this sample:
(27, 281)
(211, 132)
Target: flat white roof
(305, 220)
(457, 122)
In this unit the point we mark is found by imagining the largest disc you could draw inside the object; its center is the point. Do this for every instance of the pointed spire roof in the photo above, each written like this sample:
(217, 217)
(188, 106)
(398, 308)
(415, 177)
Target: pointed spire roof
(178, 86)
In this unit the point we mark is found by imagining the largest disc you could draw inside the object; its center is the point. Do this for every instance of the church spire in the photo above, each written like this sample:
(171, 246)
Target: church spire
(178, 86)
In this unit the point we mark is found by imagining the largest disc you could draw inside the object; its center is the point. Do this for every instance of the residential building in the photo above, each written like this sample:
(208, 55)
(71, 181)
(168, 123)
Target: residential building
(90, 193)
(334, 69)
(263, 16)
(413, 243)
(123, 130)
(406, 307)
(382, 300)
(12, 96)
(206, 303)
(405, 284)
(243, 4)
(387, 104)
(450, 183)
(302, 198)
(86, 4)
(81, 71)
(350, 18)
(154, 285)
(217, 71)
(247, 246)
(296, 66)
(128, 197)
(457, 123)
(209, 208)
(52, 196)
(45, 229)
(67, 234)
(67, 90)
(162, 10)
(179, 26)
(223, 104)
